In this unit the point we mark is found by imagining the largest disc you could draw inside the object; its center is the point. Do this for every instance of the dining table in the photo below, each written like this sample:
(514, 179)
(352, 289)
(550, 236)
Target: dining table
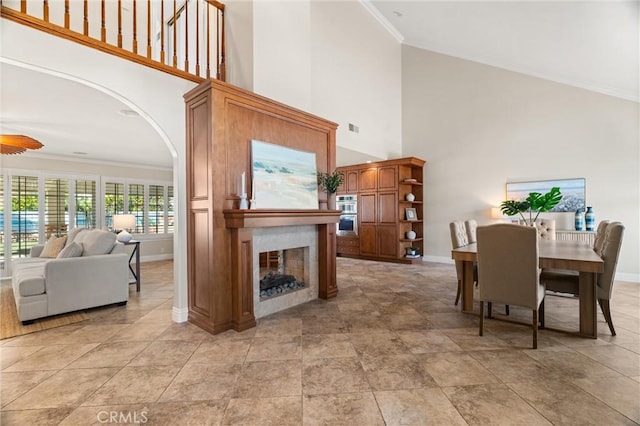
(553, 254)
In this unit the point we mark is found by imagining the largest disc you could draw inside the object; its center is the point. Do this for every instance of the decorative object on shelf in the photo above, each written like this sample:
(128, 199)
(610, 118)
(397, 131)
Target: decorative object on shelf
(535, 202)
(590, 219)
(17, 144)
(410, 197)
(329, 183)
(244, 205)
(123, 222)
(410, 213)
(579, 221)
(411, 251)
(409, 180)
(411, 235)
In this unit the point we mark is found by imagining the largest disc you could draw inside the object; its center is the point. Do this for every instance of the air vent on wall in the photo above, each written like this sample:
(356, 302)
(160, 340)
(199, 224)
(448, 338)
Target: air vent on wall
(353, 128)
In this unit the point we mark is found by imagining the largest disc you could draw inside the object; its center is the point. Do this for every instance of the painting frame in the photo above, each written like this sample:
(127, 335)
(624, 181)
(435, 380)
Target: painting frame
(574, 191)
(283, 178)
(410, 214)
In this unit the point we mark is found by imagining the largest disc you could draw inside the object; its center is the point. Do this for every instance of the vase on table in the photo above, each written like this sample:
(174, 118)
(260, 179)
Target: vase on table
(590, 219)
(579, 220)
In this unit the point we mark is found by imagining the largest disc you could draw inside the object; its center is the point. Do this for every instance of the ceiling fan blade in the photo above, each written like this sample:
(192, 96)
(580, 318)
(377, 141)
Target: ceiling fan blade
(10, 150)
(20, 141)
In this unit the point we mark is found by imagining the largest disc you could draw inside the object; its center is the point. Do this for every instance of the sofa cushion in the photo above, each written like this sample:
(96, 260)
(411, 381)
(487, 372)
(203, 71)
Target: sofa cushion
(53, 246)
(77, 235)
(29, 280)
(70, 250)
(98, 242)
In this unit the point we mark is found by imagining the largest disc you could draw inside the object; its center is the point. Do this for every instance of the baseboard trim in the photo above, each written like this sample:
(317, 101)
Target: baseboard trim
(180, 314)
(156, 257)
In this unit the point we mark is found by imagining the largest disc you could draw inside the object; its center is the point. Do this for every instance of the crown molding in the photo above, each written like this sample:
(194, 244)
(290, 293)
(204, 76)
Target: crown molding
(382, 20)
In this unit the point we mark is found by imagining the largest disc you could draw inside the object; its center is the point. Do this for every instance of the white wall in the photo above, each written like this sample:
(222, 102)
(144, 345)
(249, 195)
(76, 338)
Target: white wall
(479, 126)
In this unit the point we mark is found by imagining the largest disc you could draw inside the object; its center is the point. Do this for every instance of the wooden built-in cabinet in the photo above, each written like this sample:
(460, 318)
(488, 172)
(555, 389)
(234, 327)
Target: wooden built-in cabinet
(382, 190)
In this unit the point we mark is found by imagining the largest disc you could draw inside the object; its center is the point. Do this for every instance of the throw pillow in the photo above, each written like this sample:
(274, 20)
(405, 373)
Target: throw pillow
(53, 246)
(97, 242)
(75, 232)
(70, 250)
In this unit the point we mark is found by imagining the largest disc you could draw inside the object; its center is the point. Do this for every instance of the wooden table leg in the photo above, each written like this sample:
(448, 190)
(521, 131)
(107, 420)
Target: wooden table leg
(588, 314)
(467, 286)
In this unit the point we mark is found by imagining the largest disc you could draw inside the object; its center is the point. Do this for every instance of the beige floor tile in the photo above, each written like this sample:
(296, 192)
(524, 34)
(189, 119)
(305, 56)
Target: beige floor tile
(327, 346)
(184, 331)
(512, 366)
(44, 338)
(130, 414)
(264, 379)
(614, 357)
(620, 393)
(396, 372)
(475, 342)
(92, 333)
(13, 385)
(221, 350)
(64, 389)
(50, 416)
(420, 342)
(347, 409)
(281, 411)
(278, 327)
(275, 348)
(165, 352)
(492, 404)
(378, 343)
(320, 324)
(197, 382)
(110, 354)
(570, 364)
(333, 375)
(564, 403)
(52, 357)
(142, 331)
(444, 320)
(200, 413)
(133, 385)
(417, 407)
(9, 355)
(455, 369)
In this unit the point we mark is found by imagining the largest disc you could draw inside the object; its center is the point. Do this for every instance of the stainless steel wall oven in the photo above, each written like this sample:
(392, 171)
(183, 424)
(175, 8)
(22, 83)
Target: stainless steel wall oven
(348, 223)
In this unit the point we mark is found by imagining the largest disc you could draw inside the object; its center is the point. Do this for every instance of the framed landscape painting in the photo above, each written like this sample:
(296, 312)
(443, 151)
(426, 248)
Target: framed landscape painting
(572, 190)
(283, 178)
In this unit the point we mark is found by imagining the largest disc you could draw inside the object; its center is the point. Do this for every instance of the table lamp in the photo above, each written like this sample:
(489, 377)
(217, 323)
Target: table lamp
(124, 222)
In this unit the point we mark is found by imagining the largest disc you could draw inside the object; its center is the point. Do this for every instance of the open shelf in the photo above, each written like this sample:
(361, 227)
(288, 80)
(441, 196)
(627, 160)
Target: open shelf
(411, 221)
(406, 240)
(410, 202)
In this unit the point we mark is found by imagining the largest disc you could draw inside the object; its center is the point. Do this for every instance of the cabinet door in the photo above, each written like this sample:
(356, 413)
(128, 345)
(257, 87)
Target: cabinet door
(387, 240)
(388, 177)
(387, 207)
(351, 182)
(367, 208)
(368, 239)
(368, 179)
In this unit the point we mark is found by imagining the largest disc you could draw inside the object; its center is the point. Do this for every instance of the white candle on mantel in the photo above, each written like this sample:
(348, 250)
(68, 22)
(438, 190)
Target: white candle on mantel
(242, 190)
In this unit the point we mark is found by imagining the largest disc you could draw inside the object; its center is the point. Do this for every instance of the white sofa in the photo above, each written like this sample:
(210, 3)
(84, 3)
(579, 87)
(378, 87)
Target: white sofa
(50, 286)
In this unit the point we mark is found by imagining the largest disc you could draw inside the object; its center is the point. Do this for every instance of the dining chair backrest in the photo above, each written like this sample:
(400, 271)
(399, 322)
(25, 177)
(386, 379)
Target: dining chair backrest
(471, 226)
(599, 238)
(610, 252)
(508, 265)
(546, 229)
(458, 239)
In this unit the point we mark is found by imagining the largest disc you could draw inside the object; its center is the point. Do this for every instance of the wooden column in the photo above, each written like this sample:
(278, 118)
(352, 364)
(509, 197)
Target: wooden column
(242, 279)
(327, 281)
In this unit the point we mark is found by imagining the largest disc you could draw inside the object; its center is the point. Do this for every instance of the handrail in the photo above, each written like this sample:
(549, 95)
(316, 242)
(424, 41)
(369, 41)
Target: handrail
(118, 27)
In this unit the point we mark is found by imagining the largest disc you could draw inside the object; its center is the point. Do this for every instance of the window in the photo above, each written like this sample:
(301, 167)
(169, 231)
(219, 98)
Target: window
(156, 209)
(170, 201)
(113, 201)
(85, 206)
(24, 214)
(136, 206)
(56, 207)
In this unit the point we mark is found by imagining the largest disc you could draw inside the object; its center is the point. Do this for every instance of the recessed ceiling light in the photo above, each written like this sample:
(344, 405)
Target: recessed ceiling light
(368, 161)
(79, 153)
(398, 14)
(129, 113)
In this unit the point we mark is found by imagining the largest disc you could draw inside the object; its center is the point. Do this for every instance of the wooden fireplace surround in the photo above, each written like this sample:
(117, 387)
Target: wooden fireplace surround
(221, 121)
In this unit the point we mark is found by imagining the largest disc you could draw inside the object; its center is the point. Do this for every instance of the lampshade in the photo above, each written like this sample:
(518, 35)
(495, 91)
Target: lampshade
(124, 221)
(496, 213)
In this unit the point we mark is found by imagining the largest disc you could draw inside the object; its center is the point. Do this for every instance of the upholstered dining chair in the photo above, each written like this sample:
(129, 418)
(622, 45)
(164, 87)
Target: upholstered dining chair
(546, 229)
(599, 238)
(471, 226)
(458, 239)
(508, 270)
(568, 281)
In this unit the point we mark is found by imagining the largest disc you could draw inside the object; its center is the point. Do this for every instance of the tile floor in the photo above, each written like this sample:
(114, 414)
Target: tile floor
(390, 349)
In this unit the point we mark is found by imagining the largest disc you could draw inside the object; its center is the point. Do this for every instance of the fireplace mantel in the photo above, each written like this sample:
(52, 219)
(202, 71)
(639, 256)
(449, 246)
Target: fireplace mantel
(271, 218)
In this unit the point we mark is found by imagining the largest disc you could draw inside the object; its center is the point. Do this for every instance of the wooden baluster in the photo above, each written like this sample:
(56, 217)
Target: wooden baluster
(162, 31)
(186, 36)
(103, 28)
(149, 29)
(86, 18)
(175, 36)
(119, 23)
(45, 10)
(23, 6)
(198, 38)
(208, 41)
(135, 28)
(66, 14)
(223, 67)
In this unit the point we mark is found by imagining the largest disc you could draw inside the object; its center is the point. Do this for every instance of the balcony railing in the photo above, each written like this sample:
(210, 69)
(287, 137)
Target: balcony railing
(184, 38)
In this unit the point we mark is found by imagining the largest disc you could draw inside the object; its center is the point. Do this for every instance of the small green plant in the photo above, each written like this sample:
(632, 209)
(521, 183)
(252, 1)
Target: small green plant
(329, 182)
(412, 249)
(535, 202)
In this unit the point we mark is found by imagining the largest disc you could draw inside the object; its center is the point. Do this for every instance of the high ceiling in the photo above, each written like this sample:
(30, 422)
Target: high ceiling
(593, 45)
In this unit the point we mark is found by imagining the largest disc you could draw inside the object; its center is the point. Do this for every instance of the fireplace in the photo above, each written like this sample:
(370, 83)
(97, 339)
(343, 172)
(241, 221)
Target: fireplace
(282, 253)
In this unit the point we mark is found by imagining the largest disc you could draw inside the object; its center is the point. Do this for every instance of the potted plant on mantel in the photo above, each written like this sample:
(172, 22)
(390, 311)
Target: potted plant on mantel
(535, 202)
(329, 183)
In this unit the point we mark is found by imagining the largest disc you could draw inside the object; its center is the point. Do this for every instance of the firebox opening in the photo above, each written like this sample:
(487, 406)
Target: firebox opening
(281, 272)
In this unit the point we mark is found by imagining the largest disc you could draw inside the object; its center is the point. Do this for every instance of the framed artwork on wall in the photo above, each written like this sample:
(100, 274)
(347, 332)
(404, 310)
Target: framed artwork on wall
(283, 178)
(573, 192)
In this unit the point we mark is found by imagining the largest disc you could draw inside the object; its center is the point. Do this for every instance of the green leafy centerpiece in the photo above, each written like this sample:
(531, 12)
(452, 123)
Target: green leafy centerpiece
(535, 202)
